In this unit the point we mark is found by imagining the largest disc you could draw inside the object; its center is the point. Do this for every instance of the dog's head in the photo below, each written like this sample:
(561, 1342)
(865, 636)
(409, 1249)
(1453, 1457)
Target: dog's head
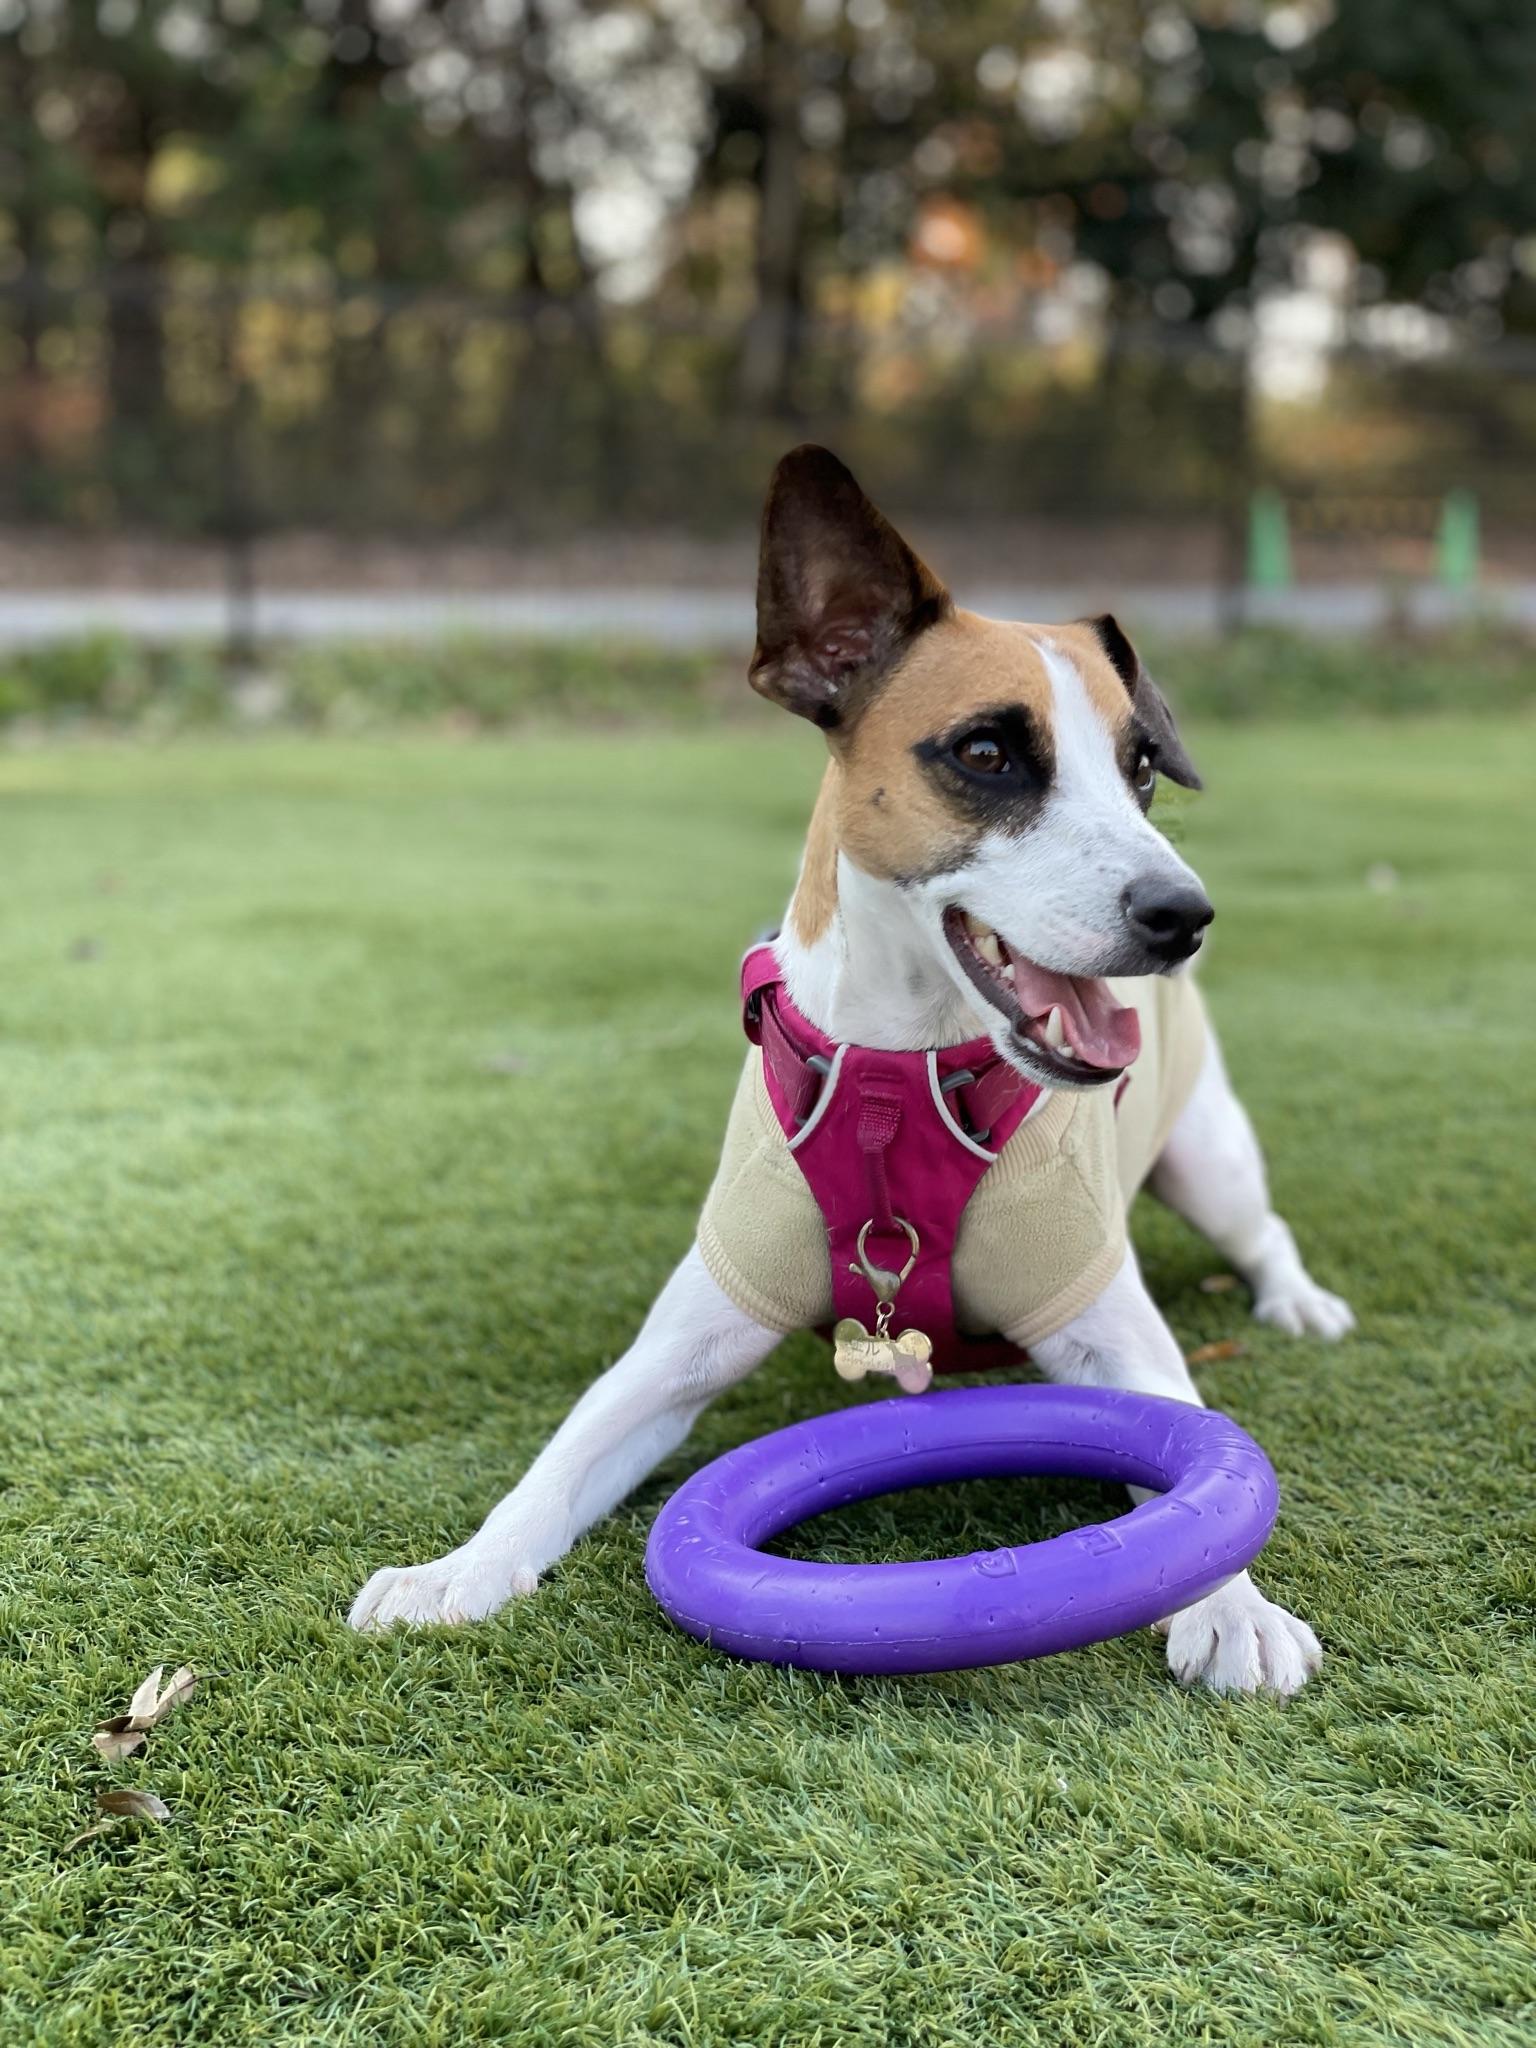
(1000, 775)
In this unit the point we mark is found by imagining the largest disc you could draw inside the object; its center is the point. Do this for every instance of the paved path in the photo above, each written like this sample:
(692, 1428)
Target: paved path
(686, 618)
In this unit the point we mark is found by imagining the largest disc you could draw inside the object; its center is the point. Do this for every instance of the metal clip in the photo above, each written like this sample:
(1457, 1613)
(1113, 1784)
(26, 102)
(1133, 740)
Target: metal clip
(881, 1278)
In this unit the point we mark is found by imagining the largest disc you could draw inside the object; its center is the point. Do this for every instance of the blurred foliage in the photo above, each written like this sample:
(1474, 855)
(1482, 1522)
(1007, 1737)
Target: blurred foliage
(1261, 675)
(422, 262)
(111, 683)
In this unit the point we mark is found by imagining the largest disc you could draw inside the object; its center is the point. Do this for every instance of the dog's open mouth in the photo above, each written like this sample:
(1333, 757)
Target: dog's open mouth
(1070, 1026)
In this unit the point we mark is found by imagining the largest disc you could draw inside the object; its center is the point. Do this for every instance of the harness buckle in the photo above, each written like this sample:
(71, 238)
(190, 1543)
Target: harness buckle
(818, 1064)
(950, 1087)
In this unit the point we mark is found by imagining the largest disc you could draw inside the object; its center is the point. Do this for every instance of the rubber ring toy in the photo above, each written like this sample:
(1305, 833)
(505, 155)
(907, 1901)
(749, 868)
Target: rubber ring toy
(1216, 1505)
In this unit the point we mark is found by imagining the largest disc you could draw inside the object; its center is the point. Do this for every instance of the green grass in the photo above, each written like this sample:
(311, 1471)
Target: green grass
(308, 1243)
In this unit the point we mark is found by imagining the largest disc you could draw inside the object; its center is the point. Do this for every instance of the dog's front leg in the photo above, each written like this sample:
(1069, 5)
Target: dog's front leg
(1234, 1640)
(695, 1343)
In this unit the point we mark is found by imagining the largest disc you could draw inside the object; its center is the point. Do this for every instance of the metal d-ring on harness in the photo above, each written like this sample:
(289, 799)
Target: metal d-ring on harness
(857, 1350)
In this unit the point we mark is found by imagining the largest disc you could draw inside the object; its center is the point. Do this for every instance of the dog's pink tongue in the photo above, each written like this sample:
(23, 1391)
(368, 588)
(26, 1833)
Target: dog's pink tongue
(1102, 1032)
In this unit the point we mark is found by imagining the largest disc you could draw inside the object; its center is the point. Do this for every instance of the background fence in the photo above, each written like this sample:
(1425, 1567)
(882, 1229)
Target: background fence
(213, 420)
(406, 293)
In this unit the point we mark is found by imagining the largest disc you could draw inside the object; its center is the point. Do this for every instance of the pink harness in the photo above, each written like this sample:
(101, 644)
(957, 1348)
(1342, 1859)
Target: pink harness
(893, 1146)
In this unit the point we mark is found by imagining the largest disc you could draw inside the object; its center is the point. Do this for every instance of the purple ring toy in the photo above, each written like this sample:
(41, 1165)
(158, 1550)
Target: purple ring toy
(1217, 1505)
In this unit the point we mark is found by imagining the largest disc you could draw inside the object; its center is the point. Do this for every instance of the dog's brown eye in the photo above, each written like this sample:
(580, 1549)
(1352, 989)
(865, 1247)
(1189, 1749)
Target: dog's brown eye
(1143, 775)
(983, 753)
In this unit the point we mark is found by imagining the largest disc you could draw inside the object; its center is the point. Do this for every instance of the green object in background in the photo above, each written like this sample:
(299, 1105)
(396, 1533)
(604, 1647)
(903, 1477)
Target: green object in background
(1269, 542)
(1457, 546)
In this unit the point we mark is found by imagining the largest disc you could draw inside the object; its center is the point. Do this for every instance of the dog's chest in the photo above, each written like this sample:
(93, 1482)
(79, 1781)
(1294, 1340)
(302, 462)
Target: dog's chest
(1043, 1230)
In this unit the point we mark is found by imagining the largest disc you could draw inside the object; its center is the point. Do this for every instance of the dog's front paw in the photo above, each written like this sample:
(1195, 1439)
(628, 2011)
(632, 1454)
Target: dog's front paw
(1237, 1641)
(1301, 1308)
(466, 1585)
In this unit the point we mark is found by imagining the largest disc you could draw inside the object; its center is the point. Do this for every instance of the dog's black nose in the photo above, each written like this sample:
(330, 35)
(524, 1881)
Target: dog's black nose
(1168, 919)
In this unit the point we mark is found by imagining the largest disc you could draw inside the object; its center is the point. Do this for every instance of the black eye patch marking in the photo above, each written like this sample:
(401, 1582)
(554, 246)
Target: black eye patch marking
(995, 767)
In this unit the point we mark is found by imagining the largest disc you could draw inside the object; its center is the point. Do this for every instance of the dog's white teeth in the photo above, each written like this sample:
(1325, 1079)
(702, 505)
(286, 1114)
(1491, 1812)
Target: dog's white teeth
(1055, 1031)
(989, 949)
(1008, 970)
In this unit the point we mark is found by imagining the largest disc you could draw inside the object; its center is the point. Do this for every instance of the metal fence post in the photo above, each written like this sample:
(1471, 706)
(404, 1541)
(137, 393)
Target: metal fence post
(1269, 542)
(236, 518)
(1457, 544)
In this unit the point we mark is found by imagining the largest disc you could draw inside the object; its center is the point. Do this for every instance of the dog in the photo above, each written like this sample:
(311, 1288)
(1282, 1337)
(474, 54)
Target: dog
(980, 861)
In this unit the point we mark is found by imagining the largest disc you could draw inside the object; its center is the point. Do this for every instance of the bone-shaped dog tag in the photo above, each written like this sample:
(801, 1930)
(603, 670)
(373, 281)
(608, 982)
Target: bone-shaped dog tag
(857, 1351)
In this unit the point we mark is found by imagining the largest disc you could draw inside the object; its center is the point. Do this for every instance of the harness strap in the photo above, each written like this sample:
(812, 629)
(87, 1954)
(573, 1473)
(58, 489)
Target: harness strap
(887, 1142)
(981, 1093)
(799, 1083)
(879, 1121)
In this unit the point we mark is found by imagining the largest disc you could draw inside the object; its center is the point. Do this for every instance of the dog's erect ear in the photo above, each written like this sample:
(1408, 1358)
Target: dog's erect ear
(1151, 705)
(840, 595)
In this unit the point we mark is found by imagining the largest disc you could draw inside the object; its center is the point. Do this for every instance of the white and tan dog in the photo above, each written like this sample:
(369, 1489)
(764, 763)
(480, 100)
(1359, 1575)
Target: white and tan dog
(980, 851)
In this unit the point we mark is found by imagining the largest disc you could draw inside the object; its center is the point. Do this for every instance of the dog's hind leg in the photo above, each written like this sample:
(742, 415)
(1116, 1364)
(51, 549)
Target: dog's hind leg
(1212, 1172)
(695, 1344)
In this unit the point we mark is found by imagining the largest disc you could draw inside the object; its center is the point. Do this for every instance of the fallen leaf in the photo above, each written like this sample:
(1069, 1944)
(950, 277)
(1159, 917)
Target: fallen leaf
(182, 1686)
(1219, 1283)
(122, 1802)
(152, 1702)
(141, 1708)
(127, 1802)
(1209, 1354)
(118, 1738)
(125, 1733)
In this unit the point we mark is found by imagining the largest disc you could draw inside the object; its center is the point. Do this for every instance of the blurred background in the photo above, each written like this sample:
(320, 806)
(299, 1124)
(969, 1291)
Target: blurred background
(334, 317)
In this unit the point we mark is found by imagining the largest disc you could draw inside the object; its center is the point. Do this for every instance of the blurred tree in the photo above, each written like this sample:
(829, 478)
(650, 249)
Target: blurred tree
(331, 156)
(767, 105)
(1401, 130)
(807, 187)
(107, 89)
(1420, 138)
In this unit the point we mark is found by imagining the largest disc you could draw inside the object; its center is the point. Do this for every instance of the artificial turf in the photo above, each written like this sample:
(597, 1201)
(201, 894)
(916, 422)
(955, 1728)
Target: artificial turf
(355, 1096)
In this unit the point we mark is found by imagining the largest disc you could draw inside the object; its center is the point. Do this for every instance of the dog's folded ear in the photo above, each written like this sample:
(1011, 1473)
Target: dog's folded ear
(1151, 705)
(840, 595)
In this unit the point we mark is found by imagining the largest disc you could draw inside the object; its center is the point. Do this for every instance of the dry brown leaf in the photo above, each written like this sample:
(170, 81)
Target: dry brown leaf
(118, 1738)
(183, 1684)
(152, 1702)
(1211, 1354)
(141, 1708)
(127, 1802)
(122, 1802)
(1219, 1283)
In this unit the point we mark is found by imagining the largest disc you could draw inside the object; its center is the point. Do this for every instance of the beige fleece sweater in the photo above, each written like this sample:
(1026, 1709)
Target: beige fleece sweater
(1041, 1237)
